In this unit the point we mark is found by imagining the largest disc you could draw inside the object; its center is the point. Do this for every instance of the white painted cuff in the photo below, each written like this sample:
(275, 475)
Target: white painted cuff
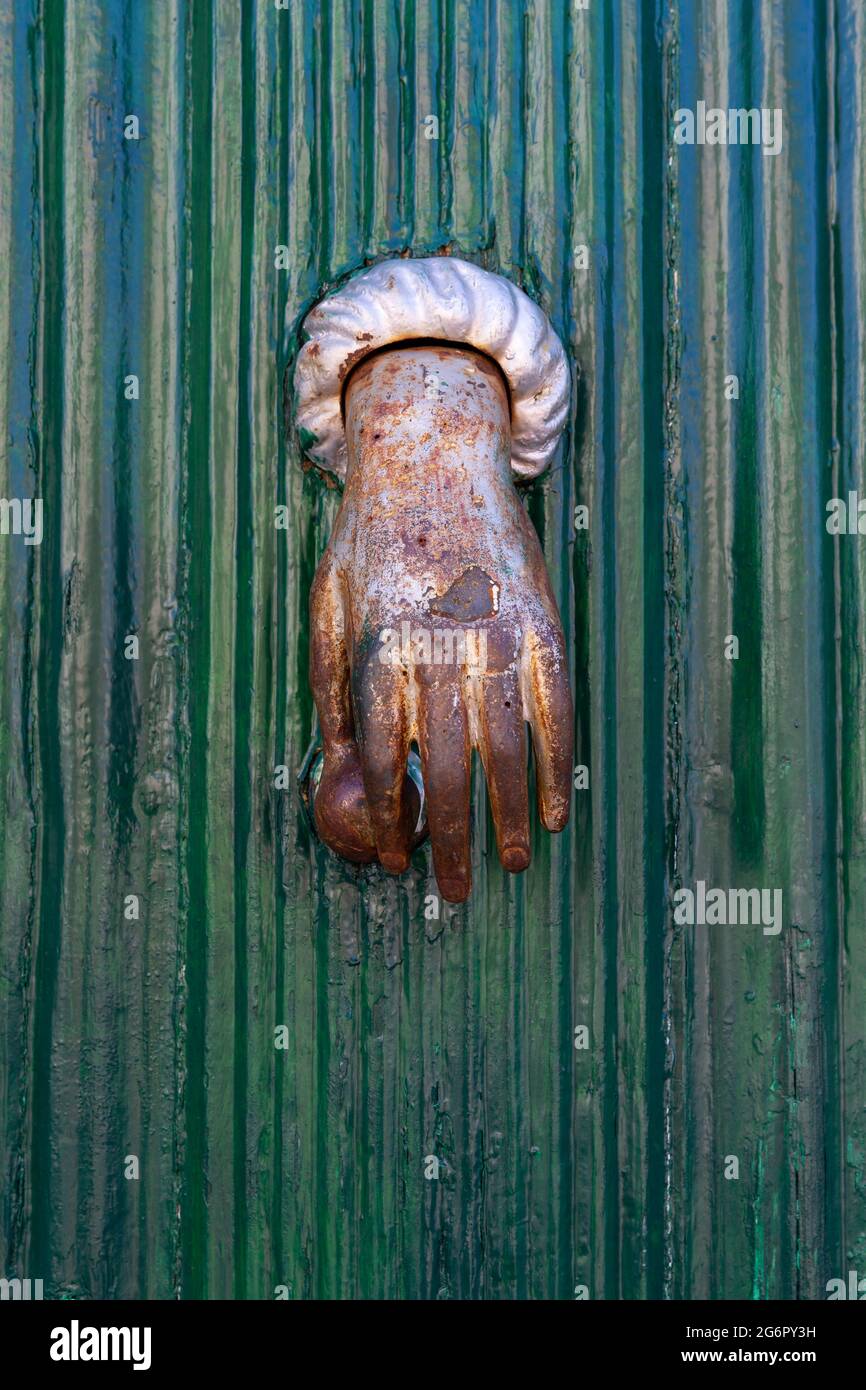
(443, 298)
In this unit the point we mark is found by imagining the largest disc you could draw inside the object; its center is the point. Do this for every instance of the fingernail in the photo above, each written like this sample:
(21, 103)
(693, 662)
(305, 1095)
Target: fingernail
(515, 858)
(395, 861)
(454, 890)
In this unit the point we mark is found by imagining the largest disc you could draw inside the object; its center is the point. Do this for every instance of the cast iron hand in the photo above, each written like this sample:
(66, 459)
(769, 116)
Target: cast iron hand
(433, 622)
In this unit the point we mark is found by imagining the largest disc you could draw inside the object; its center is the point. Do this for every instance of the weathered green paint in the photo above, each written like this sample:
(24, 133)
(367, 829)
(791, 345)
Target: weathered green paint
(411, 1037)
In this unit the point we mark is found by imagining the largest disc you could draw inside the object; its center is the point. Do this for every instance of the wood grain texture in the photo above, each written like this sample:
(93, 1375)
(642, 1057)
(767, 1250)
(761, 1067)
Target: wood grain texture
(411, 1036)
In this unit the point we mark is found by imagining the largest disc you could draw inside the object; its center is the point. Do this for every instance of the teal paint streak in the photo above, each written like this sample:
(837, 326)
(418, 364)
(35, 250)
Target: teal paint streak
(49, 794)
(279, 626)
(830, 388)
(195, 562)
(243, 689)
(613, 1254)
(654, 622)
(747, 752)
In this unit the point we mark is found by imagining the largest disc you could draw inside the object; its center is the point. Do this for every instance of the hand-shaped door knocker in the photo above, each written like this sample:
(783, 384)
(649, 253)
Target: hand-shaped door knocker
(426, 384)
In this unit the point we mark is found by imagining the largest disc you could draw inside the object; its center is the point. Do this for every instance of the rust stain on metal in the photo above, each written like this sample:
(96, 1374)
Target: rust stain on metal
(349, 362)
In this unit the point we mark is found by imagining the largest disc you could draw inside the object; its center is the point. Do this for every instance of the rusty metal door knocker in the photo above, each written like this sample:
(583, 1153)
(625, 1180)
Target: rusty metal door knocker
(426, 384)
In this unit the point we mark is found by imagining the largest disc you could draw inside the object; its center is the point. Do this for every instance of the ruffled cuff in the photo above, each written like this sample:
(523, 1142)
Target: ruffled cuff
(442, 298)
